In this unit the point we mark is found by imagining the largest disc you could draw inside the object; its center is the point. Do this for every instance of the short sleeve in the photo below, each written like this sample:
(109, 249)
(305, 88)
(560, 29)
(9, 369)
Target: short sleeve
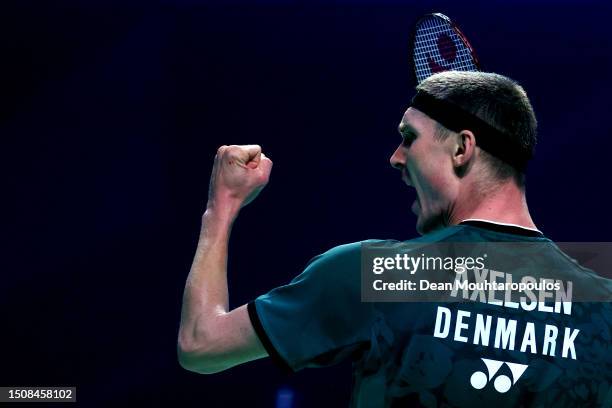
(318, 318)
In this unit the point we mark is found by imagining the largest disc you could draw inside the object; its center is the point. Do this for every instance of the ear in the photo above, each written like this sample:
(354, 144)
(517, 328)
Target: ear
(465, 148)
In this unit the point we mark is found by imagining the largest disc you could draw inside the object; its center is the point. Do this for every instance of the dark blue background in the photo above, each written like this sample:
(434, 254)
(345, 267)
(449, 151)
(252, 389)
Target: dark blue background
(111, 113)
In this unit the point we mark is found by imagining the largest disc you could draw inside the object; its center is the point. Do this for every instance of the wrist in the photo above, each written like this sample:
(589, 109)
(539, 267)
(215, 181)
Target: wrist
(225, 213)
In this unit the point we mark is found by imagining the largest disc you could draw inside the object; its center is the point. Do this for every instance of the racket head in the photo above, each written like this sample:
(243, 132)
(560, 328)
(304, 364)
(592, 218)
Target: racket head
(439, 45)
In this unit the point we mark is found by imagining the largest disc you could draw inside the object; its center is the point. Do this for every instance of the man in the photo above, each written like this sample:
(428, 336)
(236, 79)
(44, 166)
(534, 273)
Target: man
(466, 140)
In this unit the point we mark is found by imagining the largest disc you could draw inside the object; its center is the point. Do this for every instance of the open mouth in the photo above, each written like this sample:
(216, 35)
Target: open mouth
(405, 178)
(416, 206)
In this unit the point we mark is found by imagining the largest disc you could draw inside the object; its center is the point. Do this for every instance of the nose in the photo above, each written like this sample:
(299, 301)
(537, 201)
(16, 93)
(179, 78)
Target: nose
(398, 159)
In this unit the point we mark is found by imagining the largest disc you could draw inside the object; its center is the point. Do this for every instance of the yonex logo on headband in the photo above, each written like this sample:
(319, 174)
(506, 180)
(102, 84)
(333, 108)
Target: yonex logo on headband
(488, 138)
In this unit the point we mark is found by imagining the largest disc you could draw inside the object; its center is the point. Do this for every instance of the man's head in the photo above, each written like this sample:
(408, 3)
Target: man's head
(493, 135)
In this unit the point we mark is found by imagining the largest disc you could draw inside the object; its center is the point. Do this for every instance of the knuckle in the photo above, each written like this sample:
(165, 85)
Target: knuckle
(233, 153)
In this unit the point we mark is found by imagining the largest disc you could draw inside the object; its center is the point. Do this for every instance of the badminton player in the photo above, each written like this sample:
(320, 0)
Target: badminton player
(466, 140)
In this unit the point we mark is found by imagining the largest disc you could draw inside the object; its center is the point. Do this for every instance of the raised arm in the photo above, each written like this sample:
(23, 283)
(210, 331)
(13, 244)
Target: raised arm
(211, 337)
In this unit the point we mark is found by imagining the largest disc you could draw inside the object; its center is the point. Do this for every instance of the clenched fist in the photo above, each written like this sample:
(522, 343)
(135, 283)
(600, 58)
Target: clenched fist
(240, 172)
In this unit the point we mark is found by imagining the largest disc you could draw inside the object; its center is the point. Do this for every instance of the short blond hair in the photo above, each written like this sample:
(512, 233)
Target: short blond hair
(499, 101)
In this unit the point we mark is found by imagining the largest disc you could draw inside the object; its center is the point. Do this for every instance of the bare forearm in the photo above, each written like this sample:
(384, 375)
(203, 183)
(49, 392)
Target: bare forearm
(206, 294)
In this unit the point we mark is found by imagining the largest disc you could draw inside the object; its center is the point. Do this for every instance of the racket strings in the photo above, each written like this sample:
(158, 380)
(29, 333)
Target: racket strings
(437, 47)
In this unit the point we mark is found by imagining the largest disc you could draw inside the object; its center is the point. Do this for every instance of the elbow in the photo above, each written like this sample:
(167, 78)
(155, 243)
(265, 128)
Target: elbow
(197, 359)
(186, 357)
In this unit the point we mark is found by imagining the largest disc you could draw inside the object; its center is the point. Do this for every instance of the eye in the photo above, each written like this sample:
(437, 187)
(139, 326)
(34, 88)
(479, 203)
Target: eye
(407, 139)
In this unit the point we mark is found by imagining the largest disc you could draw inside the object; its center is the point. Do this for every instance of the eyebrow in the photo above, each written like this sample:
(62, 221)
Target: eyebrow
(405, 128)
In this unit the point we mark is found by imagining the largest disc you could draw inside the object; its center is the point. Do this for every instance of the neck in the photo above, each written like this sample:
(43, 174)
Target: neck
(505, 203)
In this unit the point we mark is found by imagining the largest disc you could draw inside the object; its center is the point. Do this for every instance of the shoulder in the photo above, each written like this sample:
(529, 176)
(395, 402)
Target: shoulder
(342, 260)
(351, 252)
(348, 251)
(353, 249)
(338, 262)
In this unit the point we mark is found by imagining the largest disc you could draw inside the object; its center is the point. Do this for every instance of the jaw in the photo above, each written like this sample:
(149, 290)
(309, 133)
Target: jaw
(429, 225)
(429, 220)
(426, 207)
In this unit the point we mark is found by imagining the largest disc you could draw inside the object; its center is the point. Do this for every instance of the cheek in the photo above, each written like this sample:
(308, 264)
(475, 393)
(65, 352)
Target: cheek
(438, 181)
(433, 181)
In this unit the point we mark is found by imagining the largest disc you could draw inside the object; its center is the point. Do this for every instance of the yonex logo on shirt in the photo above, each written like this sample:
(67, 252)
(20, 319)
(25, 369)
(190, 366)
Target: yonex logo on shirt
(502, 382)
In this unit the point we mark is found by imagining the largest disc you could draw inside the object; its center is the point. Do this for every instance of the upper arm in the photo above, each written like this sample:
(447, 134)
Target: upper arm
(317, 319)
(230, 340)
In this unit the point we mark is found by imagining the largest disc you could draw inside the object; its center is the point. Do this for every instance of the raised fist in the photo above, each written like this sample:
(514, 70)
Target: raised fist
(240, 172)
